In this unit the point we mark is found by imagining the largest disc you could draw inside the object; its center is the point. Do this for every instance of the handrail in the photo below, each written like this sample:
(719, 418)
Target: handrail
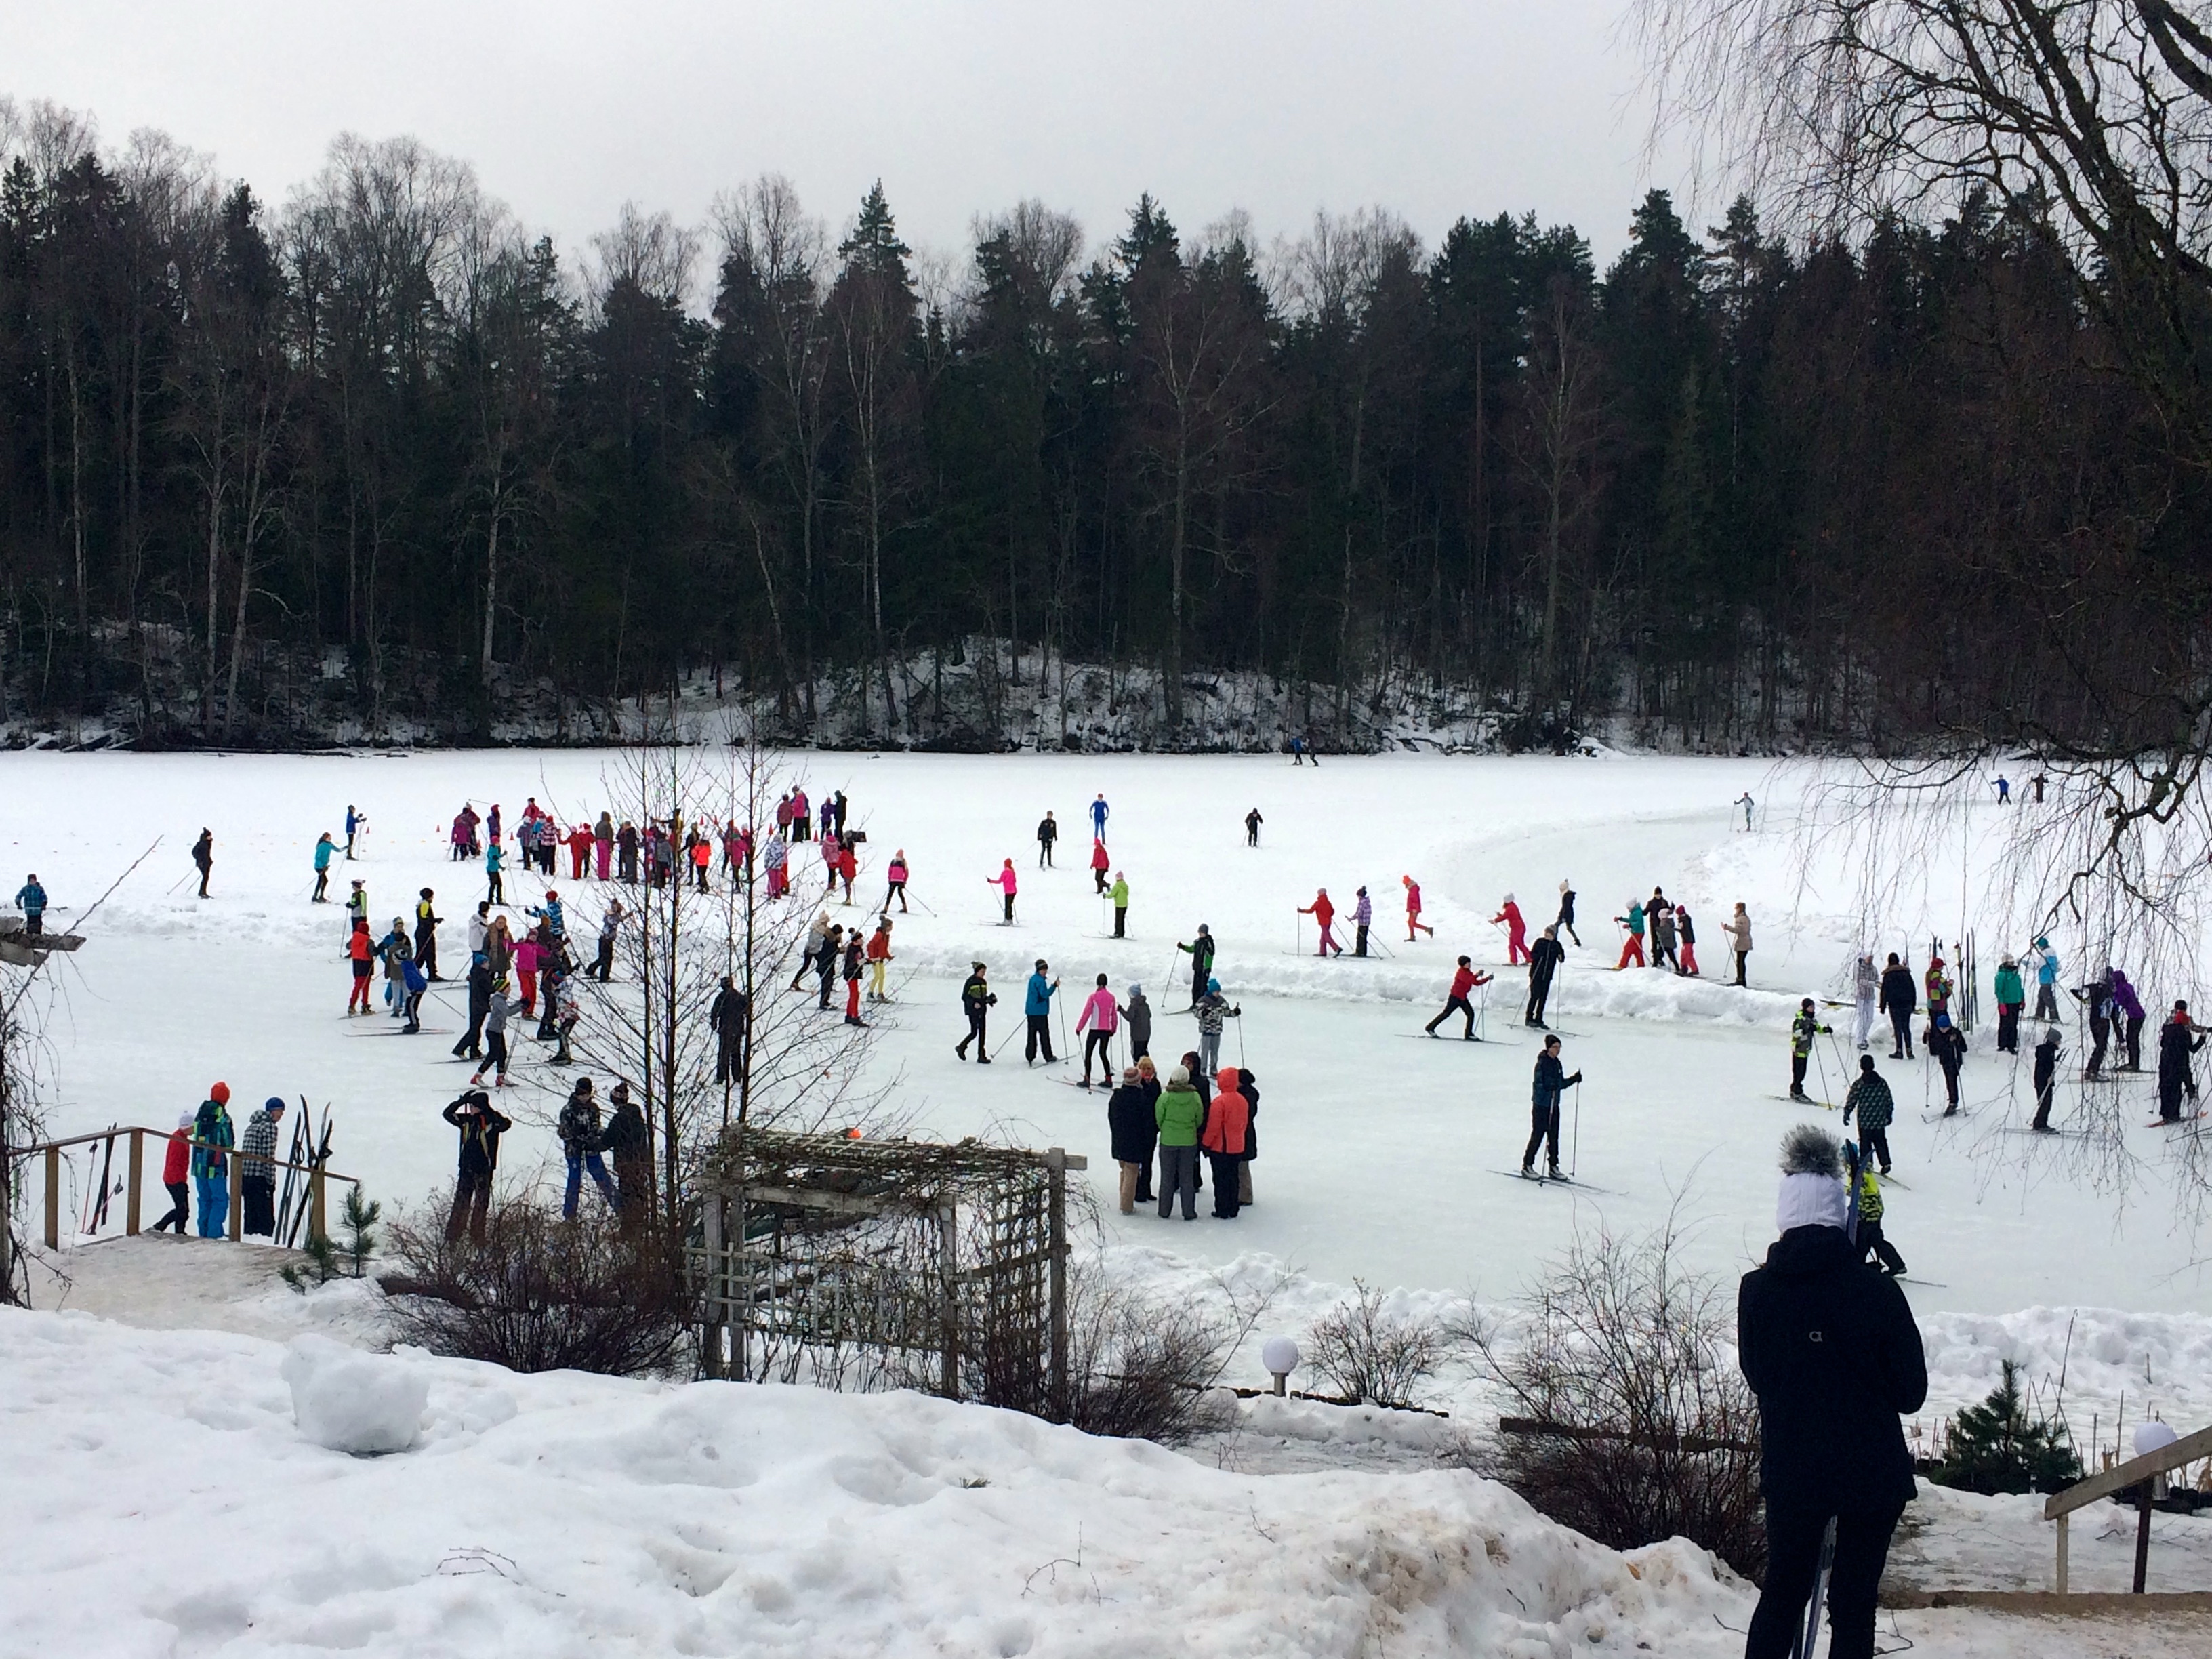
(136, 1134)
(2134, 1472)
(122, 1129)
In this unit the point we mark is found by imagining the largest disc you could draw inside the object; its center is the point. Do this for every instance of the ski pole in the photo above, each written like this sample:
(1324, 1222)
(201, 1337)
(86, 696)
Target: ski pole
(1575, 1147)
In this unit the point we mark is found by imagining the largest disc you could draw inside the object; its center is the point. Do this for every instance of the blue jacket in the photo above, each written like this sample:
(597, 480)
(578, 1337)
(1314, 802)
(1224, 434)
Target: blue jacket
(353, 820)
(30, 898)
(2046, 971)
(551, 911)
(323, 851)
(1098, 816)
(1040, 997)
(493, 858)
(412, 977)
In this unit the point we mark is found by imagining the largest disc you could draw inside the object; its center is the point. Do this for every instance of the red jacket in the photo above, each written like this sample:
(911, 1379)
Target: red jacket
(1228, 1118)
(1463, 981)
(1413, 898)
(1320, 909)
(360, 947)
(1098, 859)
(177, 1163)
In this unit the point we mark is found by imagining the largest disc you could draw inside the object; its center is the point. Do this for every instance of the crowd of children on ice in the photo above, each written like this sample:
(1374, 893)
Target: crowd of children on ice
(1202, 1109)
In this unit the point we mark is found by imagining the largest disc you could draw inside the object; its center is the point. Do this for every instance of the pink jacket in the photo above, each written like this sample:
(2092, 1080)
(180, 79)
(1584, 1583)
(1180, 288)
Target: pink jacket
(1006, 879)
(1099, 1012)
(527, 958)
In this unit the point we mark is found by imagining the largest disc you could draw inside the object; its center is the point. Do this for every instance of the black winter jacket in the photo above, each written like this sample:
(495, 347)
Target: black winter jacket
(1830, 1347)
(1129, 1118)
(1898, 994)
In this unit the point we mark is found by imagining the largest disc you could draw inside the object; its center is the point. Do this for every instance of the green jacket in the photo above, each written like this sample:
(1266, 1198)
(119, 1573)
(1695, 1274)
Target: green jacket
(2008, 988)
(1178, 1112)
(1120, 891)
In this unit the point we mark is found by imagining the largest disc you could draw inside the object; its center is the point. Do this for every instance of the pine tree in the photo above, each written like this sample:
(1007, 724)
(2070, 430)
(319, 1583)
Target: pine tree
(1995, 1448)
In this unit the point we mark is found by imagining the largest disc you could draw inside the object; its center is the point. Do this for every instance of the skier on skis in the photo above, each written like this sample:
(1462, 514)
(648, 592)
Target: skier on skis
(879, 959)
(2126, 1005)
(1036, 1007)
(1200, 952)
(2012, 997)
(2047, 980)
(2178, 1039)
(1802, 1030)
(1005, 882)
(856, 958)
(1871, 1240)
(1137, 1015)
(1866, 987)
(2047, 1079)
(325, 849)
(1659, 914)
(1544, 959)
(1898, 1001)
(1252, 822)
(204, 858)
(1119, 893)
(1632, 948)
(1323, 911)
(1744, 800)
(1566, 919)
(976, 1000)
(897, 876)
(1100, 1018)
(1876, 1107)
(1100, 864)
(2098, 994)
(1737, 927)
(497, 1011)
(1948, 1046)
(1686, 931)
(495, 863)
(1551, 1082)
(1414, 922)
(355, 823)
(361, 949)
(1362, 917)
(1047, 832)
(1463, 981)
(1099, 818)
(1517, 931)
(1213, 1008)
(1830, 1445)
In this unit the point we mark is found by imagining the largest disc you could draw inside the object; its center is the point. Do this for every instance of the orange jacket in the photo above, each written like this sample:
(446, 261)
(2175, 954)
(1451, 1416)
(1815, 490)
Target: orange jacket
(1228, 1118)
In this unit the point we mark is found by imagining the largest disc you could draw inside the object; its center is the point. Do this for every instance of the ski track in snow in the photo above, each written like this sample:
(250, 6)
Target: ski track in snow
(1375, 1153)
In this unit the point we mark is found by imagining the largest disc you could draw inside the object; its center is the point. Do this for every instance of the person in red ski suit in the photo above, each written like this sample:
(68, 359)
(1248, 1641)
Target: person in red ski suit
(1413, 922)
(1323, 913)
(1517, 932)
(1463, 981)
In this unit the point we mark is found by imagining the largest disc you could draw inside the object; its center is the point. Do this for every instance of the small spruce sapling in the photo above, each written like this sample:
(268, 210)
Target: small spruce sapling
(1996, 1447)
(360, 1219)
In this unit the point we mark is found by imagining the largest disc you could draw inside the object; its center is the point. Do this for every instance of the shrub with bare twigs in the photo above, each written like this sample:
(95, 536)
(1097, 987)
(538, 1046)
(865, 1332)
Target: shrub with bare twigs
(1369, 1353)
(1632, 1423)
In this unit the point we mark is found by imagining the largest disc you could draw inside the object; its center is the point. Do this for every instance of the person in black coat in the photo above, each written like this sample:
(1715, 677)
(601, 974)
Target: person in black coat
(1899, 999)
(2177, 1041)
(481, 1124)
(1135, 1134)
(1545, 957)
(1250, 1089)
(1831, 1349)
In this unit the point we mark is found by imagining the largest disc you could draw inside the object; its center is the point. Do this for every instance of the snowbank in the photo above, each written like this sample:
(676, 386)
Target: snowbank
(546, 1514)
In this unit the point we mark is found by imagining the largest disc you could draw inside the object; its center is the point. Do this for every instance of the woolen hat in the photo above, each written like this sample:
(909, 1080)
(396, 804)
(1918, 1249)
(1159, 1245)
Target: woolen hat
(1180, 1078)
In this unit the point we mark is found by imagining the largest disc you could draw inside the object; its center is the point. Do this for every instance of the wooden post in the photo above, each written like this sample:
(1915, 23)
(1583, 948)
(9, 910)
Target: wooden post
(137, 1170)
(1055, 1163)
(2142, 1535)
(741, 1321)
(317, 1220)
(948, 1268)
(713, 1302)
(236, 1189)
(54, 1197)
(2062, 1554)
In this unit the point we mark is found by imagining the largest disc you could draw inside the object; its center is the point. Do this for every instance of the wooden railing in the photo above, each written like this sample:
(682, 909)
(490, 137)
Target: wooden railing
(318, 1177)
(2141, 1472)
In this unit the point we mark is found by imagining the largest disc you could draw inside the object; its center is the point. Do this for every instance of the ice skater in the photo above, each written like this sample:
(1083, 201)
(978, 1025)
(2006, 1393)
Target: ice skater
(1463, 981)
(1551, 1082)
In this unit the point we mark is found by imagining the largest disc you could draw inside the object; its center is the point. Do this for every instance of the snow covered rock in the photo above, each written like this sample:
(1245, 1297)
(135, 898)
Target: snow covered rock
(351, 1402)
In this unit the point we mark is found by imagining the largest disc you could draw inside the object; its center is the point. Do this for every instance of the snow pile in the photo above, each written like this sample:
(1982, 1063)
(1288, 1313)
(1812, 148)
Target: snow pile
(347, 1400)
(547, 1514)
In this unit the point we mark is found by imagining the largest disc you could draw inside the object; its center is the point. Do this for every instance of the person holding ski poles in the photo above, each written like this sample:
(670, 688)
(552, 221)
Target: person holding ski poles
(1100, 1018)
(1517, 931)
(1738, 929)
(1200, 952)
(1465, 980)
(1213, 1008)
(1632, 950)
(896, 875)
(2047, 980)
(1544, 959)
(1323, 911)
(1802, 1030)
(1363, 918)
(976, 1000)
(1005, 881)
(1566, 918)
(1551, 1082)
(325, 849)
(1036, 1007)
(1834, 1356)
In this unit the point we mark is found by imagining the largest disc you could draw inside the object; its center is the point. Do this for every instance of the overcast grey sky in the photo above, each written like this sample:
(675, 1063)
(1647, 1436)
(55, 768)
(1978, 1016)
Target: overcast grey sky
(1434, 109)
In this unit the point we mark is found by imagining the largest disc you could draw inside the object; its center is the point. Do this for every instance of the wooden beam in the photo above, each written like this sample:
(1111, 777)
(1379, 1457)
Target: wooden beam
(137, 1170)
(2164, 1461)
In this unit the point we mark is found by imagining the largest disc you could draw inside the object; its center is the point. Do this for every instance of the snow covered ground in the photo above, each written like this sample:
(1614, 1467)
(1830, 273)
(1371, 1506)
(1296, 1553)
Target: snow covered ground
(1385, 1156)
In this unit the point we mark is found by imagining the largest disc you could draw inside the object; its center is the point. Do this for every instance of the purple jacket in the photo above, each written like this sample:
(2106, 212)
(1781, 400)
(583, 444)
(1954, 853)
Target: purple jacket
(2123, 994)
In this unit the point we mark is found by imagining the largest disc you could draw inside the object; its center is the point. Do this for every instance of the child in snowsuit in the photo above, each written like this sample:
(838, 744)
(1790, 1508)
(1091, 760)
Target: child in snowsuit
(1213, 1009)
(1517, 931)
(1802, 1030)
(1323, 911)
(211, 1162)
(1686, 931)
(1871, 1241)
(1949, 1045)
(1455, 1001)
